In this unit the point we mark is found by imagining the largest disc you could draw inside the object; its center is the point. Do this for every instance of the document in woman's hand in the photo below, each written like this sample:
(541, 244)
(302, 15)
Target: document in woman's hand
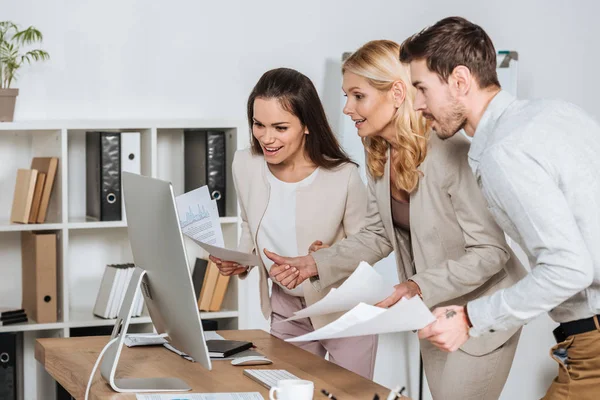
(364, 319)
(199, 220)
(365, 285)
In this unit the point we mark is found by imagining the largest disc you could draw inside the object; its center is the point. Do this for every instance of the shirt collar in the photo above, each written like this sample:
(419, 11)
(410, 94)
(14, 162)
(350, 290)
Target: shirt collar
(486, 125)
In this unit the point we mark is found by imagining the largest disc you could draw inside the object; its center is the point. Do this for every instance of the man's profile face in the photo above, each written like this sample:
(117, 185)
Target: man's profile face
(435, 100)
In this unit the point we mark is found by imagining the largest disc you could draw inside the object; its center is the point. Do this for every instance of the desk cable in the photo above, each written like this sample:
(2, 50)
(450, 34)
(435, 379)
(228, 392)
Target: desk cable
(89, 385)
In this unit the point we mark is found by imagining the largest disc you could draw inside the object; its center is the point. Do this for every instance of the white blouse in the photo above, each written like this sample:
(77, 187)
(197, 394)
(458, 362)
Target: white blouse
(277, 230)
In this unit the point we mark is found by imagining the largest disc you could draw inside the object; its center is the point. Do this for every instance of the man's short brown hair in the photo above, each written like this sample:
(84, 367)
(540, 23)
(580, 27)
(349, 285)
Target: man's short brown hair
(451, 42)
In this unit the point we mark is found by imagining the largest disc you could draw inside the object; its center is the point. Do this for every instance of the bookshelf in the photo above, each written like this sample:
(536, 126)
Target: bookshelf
(85, 247)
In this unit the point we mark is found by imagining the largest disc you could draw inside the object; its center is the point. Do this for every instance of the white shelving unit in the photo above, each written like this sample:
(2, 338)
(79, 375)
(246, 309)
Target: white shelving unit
(86, 247)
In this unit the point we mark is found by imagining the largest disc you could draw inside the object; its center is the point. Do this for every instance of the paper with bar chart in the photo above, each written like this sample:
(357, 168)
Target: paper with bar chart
(199, 220)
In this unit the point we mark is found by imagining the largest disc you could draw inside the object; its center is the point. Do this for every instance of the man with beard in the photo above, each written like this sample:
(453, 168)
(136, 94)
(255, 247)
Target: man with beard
(538, 165)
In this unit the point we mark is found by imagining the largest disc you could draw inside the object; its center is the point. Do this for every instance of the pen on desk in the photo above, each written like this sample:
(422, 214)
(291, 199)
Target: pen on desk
(329, 395)
(396, 393)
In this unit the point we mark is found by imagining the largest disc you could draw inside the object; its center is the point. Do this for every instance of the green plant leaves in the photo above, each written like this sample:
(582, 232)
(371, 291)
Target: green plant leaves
(11, 58)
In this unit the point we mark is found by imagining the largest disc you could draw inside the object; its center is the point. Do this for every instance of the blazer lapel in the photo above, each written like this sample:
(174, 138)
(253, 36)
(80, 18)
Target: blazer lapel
(259, 202)
(384, 198)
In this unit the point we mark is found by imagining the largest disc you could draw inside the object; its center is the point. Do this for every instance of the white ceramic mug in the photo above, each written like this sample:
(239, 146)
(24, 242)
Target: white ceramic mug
(292, 389)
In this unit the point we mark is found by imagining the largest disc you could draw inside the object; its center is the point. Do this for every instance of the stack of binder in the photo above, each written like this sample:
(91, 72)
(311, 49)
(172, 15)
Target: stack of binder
(107, 155)
(210, 286)
(10, 315)
(115, 282)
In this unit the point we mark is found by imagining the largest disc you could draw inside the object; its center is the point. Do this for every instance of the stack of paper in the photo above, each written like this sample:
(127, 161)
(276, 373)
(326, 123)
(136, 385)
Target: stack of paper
(357, 294)
(364, 319)
(199, 220)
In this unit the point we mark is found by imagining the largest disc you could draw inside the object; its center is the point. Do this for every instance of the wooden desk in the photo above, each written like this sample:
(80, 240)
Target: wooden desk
(70, 362)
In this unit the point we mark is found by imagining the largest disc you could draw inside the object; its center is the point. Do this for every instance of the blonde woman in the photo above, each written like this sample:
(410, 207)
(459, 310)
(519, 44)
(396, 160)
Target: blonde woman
(423, 204)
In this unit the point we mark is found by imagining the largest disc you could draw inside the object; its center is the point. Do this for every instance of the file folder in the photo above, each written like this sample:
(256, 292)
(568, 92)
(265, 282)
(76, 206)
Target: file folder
(8, 366)
(38, 254)
(103, 176)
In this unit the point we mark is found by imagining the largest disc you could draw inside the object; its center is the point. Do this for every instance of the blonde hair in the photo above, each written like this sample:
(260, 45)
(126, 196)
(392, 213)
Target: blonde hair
(378, 62)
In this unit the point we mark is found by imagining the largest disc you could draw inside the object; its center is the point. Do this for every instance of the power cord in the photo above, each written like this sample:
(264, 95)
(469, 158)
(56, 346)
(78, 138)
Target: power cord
(140, 336)
(89, 385)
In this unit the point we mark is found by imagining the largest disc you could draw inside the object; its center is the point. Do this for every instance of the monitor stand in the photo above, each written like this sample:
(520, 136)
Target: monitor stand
(110, 361)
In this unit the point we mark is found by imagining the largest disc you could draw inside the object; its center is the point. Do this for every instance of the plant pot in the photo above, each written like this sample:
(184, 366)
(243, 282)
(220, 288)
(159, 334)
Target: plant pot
(8, 98)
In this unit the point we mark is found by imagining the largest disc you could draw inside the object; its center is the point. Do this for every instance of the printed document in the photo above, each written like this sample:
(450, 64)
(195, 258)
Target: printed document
(199, 217)
(199, 220)
(364, 319)
(365, 285)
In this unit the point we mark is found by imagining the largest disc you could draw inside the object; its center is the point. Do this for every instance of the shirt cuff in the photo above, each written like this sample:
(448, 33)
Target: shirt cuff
(481, 318)
(323, 277)
(421, 283)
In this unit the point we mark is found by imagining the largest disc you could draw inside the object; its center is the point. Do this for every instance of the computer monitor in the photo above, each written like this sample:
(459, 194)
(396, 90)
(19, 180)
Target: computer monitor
(166, 282)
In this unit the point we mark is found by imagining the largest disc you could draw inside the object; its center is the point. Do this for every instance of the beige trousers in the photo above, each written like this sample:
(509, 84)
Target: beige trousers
(461, 376)
(578, 359)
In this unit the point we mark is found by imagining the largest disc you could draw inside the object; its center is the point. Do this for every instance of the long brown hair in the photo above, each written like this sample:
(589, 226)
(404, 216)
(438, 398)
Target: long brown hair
(297, 95)
(378, 62)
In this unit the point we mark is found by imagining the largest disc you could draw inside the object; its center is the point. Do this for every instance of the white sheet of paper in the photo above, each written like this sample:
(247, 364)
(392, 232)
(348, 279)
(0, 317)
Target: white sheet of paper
(202, 396)
(365, 285)
(212, 335)
(230, 255)
(199, 220)
(364, 319)
(199, 216)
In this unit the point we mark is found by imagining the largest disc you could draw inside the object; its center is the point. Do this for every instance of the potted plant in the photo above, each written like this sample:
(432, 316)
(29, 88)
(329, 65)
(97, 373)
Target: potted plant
(12, 59)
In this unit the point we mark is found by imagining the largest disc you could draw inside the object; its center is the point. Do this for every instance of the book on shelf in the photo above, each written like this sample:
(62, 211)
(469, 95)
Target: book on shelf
(37, 197)
(219, 294)
(12, 315)
(111, 294)
(48, 166)
(200, 267)
(23, 195)
(209, 285)
(39, 283)
(8, 312)
(33, 189)
(13, 320)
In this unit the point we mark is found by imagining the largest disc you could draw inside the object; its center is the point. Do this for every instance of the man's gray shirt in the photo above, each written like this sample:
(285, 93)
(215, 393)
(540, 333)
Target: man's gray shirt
(538, 165)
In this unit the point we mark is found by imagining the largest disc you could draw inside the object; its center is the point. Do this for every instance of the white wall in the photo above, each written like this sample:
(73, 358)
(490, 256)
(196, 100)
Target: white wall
(177, 58)
(136, 58)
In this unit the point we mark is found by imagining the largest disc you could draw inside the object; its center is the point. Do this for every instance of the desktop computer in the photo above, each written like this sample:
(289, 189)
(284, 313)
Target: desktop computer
(164, 276)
